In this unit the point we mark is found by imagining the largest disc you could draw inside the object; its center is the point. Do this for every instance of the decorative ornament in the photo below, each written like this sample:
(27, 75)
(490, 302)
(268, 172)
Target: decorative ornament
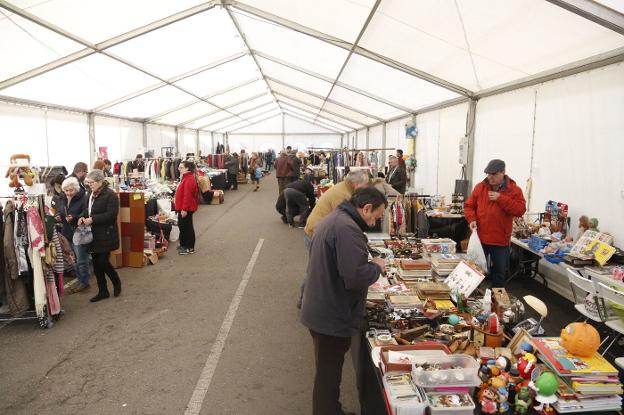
(580, 339)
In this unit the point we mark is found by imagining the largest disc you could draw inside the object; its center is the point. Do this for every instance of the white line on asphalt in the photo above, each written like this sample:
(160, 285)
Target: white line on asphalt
(203, 384)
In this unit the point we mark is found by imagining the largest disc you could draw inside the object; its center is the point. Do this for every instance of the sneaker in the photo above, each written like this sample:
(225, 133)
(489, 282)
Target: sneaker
(183, 251)
(301, 226)
(191, 250)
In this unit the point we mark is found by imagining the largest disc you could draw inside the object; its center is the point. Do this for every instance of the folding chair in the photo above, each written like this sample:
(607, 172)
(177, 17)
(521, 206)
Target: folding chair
(589, 287)
(617, 325)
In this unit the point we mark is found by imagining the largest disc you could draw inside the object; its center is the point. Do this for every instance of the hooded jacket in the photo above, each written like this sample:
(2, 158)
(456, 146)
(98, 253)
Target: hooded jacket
(339, 275)
(495, 217)
(186, 193)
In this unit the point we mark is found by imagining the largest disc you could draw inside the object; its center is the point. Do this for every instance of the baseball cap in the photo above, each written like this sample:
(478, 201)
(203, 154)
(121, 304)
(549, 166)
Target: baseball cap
(494, 166)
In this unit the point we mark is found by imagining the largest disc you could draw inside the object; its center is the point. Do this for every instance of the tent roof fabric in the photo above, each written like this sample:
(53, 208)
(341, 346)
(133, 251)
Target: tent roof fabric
(337, 65)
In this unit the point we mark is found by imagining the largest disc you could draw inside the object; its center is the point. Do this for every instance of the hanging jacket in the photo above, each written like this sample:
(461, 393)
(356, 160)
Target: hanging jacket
(186, 193)
(495, 217)
(104, 213)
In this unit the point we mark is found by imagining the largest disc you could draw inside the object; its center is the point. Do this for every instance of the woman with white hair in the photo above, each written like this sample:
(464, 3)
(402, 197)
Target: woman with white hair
(101, 214)
(71, 203)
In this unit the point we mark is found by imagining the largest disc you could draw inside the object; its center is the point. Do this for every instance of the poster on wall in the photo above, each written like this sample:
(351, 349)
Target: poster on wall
(102, 153)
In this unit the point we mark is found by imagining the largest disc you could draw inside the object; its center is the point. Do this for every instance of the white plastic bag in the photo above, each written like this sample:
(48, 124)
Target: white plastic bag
(475, 251)
(175, 234)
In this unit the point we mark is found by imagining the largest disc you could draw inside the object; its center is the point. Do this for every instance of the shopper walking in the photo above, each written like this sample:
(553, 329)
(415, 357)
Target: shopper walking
(490, 211)
(101, 214)
(283, 170)
(255, 171)
(232, 165)
(296, 166)
(339, 274)
(300, 199)
(186, 204)
(397, 176)
(70, 206)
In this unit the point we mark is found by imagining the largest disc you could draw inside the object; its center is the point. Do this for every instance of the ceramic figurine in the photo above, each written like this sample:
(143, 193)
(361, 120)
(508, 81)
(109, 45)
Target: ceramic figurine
(488, 401)
(523, 401)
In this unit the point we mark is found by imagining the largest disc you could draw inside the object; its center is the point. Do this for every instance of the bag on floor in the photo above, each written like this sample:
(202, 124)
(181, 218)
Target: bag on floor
(475, 251)
(175, 234)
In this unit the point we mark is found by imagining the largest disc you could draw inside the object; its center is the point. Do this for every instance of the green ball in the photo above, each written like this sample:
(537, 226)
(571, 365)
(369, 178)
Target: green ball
(547, 384)
(453, 319)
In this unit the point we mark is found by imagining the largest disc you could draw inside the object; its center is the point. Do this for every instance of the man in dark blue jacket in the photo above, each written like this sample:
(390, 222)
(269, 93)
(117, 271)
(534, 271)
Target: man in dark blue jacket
(339, 274)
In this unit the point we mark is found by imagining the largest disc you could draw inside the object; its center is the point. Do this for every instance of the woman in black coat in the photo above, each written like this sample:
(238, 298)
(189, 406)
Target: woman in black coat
(101, 215)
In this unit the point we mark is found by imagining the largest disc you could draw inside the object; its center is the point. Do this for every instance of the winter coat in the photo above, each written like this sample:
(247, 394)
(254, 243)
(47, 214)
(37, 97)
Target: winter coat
(338, 275)
(397, 179)
(384, 187)
(75, 209)
(296, 166)
(495, 217)
(104, 213)
(306, 188)
(328, 202)
(186, 193)
(283, 166)
(232, 165)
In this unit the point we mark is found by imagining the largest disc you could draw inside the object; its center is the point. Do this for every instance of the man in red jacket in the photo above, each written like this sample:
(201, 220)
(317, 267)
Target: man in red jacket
(491, 209)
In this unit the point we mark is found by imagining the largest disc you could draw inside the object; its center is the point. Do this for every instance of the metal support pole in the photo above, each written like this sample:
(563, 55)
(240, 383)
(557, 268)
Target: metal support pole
(92, 149)
(367, 137)
(382, 162)
(177, 140)
(283, 130)
(470, 134)
(355, 143)
(144, 136)
(212, 146)
(197, 143)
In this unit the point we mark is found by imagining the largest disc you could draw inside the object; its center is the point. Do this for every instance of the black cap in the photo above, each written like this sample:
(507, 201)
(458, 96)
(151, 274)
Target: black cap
(494, 166)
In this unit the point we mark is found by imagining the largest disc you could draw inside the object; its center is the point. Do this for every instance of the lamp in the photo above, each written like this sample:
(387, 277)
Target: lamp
(539, 307)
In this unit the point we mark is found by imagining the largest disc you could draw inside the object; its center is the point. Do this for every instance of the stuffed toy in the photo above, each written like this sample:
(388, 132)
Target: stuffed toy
(17, 172)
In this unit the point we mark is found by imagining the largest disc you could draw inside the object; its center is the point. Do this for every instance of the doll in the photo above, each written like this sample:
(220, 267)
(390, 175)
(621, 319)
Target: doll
(503, 404)
(488, 401)
(523, 401)
(593, 224)
(582, 227)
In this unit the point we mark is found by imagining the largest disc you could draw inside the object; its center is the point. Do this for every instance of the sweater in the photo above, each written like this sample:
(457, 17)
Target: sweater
(327, 203)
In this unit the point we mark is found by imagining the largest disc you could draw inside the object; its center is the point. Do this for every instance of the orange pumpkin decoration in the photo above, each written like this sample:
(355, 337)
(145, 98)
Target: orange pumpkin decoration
(580, 339)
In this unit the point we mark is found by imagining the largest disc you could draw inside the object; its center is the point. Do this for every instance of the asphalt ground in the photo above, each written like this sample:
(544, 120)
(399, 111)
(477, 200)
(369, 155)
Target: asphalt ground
(145, 351)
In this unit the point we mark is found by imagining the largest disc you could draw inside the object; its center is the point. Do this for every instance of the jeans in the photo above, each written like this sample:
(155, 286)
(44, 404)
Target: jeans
(281, 183)
(329, 353)
(499, 255)
(82, 262)
(296, 199)
(232, 179)
(103, 267)
(187, 232)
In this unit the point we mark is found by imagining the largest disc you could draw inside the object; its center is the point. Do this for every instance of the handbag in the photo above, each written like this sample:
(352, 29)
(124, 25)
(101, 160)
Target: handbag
(82, 235)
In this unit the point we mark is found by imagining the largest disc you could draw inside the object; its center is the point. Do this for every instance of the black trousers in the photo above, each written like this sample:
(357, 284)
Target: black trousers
(187, 232)
(329, 353)
(232, 179)
(296, 202)
(101, 268)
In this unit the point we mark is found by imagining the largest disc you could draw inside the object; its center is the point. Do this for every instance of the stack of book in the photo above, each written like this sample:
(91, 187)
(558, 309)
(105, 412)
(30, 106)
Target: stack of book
(404, 301)
(414, 269)
(588, 384)
(433, 290)
(444, 264)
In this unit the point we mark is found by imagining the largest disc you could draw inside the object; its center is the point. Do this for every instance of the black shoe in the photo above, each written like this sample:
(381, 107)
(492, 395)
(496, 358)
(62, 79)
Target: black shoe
(184, 251)
(284, 219)
(117, 290)
(99, 296)
(191, 250)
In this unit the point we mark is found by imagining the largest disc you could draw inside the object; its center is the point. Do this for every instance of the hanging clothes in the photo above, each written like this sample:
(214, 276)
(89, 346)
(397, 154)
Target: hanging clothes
(12, 285)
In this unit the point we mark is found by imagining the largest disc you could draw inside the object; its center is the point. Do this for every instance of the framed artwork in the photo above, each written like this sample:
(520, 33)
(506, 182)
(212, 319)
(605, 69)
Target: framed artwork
(522, 336)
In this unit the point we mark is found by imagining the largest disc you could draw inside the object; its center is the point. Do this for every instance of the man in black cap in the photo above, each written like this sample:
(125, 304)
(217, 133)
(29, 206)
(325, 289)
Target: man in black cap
(491, 208)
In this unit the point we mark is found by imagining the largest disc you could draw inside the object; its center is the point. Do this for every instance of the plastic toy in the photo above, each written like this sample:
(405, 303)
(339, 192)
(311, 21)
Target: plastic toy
(526, 364)
(523, 401)
(488, 401)
(580, 339)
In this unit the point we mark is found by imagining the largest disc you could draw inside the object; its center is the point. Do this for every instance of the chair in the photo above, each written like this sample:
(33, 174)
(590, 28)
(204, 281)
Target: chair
(607, 293)
(588, 286)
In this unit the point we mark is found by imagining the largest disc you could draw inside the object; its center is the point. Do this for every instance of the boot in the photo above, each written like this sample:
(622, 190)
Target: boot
(99, 296)
(117, 289)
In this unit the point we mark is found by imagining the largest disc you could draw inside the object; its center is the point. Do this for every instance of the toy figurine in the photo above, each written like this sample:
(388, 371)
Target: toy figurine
(503, 404)
(546, 386)
(526, 364)
(582, 227)
(593, 224)
(523, 401)
(503, 363)
(513, 380)
(488, 401)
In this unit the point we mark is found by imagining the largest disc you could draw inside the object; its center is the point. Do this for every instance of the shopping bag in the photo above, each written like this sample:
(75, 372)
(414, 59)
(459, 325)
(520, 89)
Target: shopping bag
(83, 235)
(475, 251)
(175, 234)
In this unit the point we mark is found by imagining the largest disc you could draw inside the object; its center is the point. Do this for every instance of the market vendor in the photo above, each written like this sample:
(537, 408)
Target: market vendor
(490, 210)
(339, 274)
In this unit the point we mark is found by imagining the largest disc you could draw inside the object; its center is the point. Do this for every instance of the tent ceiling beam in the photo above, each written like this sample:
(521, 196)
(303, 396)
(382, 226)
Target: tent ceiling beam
(275, 114)
(327, 79)
(90, 48)
(311, 120)
(317, 107)
(594, 62)
(242, 112)
(244, 38)
(222, 91)
(346, 45)
(226, 131)
(280, 133)
(208, 114)
(355, 44)
(305, 91)
(313, 114)
(594, 11)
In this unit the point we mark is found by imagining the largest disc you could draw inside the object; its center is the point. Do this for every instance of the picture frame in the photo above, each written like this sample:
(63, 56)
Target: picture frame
(522, 336)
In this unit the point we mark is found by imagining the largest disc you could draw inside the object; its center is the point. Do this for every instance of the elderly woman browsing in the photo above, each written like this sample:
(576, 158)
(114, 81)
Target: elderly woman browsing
(101, 215)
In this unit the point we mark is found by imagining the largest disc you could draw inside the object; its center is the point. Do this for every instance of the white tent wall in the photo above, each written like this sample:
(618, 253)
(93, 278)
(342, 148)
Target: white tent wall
(47, 136)
(303, 142)
(260, 142)
(295, 125)
(159, 136)
(124, 139)
(205, 143)
(395, 137)
(375, 137)
(187, 142)
(437, 150)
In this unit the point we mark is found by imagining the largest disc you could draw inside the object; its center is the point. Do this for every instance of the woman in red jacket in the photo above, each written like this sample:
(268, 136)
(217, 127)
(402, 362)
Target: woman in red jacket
(186, 204)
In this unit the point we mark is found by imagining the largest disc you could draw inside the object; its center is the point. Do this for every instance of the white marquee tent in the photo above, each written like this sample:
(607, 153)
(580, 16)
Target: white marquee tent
(539, 83)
